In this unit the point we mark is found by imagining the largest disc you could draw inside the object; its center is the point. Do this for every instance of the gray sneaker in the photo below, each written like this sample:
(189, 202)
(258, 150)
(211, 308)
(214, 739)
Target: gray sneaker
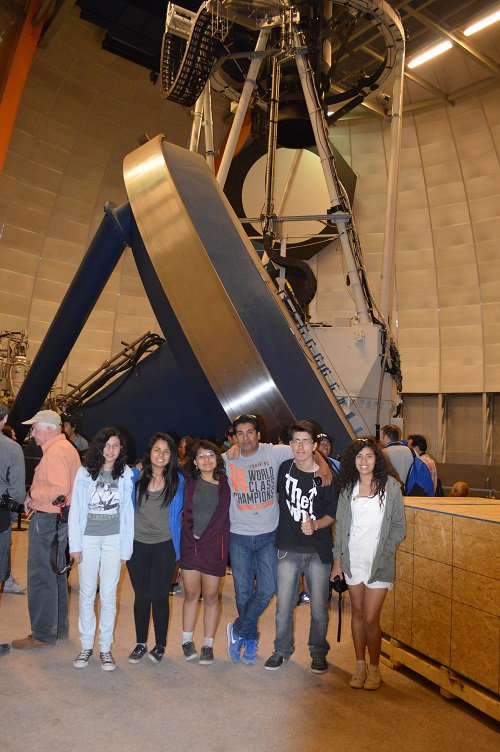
(206, 656)
(189, 650)
(11, 585)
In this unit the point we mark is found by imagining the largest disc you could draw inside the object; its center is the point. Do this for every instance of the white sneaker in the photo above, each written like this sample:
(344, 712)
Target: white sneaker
(82, 659)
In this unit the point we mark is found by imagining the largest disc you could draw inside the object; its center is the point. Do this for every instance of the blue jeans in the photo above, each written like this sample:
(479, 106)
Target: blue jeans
(253, 562)
(47, 591)
(291, 564)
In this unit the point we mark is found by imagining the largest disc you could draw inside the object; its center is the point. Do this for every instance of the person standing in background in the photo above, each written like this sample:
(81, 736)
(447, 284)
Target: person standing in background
(69, 427)
(398, 454)
(419, 445)
(12, 476)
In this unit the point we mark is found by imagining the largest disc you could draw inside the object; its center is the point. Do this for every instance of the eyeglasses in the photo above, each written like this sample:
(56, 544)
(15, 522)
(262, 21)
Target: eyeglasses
(303, 442)
(205, 454)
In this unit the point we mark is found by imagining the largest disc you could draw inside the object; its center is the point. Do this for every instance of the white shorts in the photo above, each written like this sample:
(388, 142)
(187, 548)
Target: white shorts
(371, 585)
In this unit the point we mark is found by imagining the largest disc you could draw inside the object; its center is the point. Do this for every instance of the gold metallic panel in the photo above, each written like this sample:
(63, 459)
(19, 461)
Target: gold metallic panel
(201, 304)
(204, 261)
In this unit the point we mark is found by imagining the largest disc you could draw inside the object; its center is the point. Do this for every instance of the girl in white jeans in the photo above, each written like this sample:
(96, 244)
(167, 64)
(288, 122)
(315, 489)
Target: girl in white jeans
(101, 534)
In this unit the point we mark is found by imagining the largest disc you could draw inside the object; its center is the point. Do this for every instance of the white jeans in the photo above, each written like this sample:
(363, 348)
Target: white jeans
(100, 557)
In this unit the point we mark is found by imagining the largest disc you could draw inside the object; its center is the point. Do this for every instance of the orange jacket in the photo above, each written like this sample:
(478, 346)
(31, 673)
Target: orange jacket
(54, 474)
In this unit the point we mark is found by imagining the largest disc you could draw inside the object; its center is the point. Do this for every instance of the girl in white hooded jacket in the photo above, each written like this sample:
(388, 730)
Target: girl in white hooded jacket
(101, 534)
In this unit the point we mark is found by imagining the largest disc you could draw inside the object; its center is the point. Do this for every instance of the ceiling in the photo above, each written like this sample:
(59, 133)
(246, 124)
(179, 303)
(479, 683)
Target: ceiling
(133, 29)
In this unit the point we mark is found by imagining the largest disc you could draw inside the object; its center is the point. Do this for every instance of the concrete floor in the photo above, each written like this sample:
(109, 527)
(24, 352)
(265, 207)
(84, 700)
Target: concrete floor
(179, 705)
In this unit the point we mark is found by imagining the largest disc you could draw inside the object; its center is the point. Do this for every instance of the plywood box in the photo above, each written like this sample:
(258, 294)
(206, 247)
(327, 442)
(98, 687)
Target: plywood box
(446, 599)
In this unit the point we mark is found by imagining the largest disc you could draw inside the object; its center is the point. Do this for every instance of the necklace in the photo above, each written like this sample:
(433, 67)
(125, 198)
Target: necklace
(156, 482)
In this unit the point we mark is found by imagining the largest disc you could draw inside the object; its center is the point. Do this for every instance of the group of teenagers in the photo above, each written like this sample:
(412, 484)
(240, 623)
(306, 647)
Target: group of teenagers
(279, 511)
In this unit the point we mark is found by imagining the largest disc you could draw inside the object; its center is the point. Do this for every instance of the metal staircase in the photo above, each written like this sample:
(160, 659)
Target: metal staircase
(345, 402)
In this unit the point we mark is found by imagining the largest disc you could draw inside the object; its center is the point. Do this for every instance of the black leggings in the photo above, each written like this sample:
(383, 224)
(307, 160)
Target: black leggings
(151, 568)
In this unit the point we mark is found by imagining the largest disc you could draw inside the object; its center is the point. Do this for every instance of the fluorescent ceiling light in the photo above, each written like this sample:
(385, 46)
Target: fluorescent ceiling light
(482, 23)
(430, 53)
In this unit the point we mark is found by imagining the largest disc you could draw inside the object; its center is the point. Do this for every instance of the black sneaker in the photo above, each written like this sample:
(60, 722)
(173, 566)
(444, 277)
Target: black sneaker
(156, 654)
(189, 650)
(137, 653)
(319, 665)
(206, 656)
(107, 661)
(275, 661)
(83, 658)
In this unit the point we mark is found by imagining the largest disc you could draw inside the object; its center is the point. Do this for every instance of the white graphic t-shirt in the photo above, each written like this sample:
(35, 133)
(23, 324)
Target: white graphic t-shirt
(104, 506)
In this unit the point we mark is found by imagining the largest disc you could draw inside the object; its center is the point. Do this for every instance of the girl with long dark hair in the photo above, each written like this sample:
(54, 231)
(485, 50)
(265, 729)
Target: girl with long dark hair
(204, 543)
(158, 509)
(370, 526)
(101, 531)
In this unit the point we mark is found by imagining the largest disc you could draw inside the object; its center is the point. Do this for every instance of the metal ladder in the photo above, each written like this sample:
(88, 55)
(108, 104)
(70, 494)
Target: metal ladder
(345, 402)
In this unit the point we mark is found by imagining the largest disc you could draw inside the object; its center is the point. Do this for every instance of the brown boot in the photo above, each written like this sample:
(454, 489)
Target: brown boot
(373, 679)
(29, 642)
(358, 678)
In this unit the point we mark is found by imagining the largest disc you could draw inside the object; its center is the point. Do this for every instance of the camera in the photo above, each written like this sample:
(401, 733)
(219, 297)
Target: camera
(339, 585)
(63, 507)
(7, 502)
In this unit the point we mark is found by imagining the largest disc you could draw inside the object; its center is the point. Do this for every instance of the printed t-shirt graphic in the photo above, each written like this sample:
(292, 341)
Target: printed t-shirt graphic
(298, 500)
(254, 486)
(105, 498)
(254, 508)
